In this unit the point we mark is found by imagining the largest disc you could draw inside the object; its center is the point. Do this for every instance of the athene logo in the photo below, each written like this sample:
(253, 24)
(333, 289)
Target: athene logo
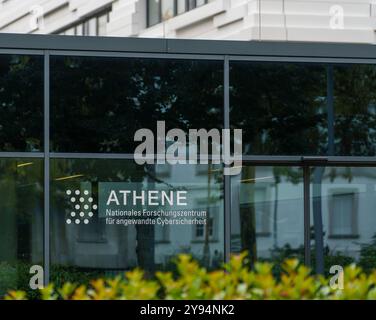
(83, 207)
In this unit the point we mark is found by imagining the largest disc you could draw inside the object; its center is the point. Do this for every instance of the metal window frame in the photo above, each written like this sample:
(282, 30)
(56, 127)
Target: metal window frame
(141, 55)
(46, 119)
(225, 51)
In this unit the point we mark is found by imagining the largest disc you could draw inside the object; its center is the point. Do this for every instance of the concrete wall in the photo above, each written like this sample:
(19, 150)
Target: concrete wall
(291, 20)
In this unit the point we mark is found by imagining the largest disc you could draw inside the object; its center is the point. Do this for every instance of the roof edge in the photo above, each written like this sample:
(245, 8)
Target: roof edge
(182, 46)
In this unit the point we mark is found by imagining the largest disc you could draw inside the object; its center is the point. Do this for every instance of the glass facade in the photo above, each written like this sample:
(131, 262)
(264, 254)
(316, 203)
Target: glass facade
(67, 128)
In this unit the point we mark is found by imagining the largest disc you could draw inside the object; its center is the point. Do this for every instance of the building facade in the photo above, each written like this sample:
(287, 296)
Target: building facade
(280, 20)
(70, 108)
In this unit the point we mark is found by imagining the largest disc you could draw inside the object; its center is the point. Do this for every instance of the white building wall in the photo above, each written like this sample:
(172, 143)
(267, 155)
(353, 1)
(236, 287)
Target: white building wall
(291, 20)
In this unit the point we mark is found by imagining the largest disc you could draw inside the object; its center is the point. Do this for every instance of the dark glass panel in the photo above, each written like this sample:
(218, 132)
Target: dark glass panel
(154, 15)
(280, 107)
(191, 4)
(21, 221)
(355, 110)
(21, 103)
(99, 103)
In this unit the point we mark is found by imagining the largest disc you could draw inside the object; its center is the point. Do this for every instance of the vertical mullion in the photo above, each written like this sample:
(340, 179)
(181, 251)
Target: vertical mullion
(46, 236)
(227, 178)
(307, 215)
(160, 11)
(147, 14)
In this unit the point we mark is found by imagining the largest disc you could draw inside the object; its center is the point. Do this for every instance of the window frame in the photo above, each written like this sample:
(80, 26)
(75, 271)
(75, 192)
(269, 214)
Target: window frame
(213, 237)
(354, 213)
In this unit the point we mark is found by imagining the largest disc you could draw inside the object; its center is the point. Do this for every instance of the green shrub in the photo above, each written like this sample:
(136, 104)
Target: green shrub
(16, 276)
(8, 277)
(235, 281)
(62, 274)
(368, 255)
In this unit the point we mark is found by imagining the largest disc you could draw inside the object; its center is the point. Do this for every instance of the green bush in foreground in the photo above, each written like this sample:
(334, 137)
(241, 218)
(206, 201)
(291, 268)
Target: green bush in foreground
(235, 281)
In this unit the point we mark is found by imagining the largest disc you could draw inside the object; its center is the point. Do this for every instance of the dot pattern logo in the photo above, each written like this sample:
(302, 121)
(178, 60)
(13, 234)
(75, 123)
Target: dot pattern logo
(83, 207)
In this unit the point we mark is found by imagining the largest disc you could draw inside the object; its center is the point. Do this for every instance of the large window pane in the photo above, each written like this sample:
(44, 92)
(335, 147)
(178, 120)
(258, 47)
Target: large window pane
(21, 103)
(99, 103)
(99, 247)
(343, 217)
(21, 221)
(191, 4)
(154, 15)
(168, 9)
(267, 217)
(355, 110)
(280, 107)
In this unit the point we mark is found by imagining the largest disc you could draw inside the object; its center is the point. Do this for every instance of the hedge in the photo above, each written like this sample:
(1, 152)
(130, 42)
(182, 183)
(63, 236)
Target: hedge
(235, 281)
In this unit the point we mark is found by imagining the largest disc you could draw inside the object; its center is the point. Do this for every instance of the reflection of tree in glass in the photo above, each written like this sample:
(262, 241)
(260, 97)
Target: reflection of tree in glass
(21, 103)
(21, 220)
(101, 102)
(280, 107)
(248, 213)
(355, 110)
